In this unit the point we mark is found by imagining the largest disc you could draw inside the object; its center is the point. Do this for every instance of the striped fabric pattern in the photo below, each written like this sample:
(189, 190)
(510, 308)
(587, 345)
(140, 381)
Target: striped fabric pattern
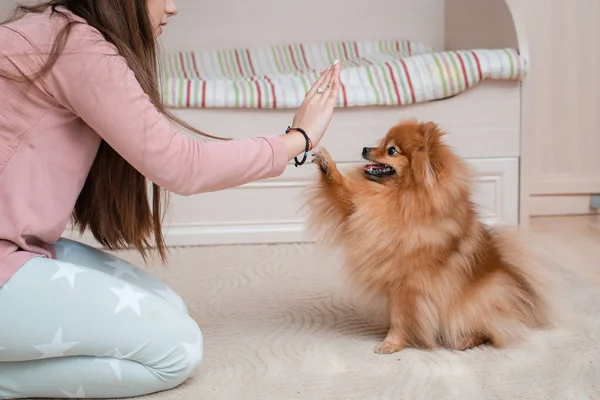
(375, 73)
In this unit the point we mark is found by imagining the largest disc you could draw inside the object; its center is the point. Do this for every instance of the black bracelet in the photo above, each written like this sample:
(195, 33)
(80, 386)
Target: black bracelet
(308, 144)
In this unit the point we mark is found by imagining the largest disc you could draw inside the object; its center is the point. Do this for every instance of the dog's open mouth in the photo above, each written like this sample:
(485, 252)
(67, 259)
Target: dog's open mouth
(379, 170)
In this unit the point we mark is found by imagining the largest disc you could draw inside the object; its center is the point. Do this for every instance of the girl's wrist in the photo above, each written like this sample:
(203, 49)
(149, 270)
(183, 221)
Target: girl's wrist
(295, 144)
(308, 146)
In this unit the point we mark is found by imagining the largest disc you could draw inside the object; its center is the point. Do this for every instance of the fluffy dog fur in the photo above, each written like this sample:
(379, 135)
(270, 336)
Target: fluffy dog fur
(410, 234)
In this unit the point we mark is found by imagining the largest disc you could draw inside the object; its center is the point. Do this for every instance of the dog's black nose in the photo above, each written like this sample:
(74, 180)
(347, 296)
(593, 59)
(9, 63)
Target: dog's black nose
(366, 150)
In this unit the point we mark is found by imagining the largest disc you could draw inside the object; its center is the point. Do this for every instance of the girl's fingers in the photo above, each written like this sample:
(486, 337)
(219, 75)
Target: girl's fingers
(335, 68)
(318, 82)
(323, 81)
(326, 93)
(329, 78)
(335, 92)
(324, 84)
(333, 88)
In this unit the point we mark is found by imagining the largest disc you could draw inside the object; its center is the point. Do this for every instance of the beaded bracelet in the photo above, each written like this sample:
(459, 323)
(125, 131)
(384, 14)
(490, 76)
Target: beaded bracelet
(308, 144)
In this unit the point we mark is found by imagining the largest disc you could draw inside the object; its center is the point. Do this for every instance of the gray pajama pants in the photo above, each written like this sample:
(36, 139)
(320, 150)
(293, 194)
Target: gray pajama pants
(92, 325)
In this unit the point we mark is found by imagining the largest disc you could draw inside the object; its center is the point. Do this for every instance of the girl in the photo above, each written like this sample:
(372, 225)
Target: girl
(81, 129)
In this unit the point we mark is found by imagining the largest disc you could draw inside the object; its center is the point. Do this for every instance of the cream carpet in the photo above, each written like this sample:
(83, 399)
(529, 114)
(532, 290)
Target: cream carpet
(279, 323)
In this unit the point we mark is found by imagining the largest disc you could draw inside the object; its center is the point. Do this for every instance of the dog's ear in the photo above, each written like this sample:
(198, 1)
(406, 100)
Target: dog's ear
(423, 157)
(431, 135)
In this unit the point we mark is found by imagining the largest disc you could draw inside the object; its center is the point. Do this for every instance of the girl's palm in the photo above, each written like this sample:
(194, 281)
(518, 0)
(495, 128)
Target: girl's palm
(316, 110)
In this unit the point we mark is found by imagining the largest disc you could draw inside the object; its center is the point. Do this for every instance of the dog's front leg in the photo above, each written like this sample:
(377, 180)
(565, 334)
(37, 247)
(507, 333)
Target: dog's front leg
(330, 175)
(395, 339)
(334, 186)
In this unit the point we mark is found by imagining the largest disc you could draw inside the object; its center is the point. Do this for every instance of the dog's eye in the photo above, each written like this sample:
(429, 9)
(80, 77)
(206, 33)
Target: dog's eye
(392, 151)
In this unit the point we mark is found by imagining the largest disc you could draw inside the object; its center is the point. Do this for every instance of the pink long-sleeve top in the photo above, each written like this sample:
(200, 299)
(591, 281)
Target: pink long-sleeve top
(50, 133)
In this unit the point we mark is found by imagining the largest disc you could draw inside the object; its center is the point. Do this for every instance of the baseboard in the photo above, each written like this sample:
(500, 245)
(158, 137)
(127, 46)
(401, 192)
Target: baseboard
(211, 235)
(561, 205)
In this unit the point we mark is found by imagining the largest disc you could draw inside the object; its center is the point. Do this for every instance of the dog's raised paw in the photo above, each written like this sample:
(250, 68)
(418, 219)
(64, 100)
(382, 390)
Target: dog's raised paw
(388, 347)
(320, 159)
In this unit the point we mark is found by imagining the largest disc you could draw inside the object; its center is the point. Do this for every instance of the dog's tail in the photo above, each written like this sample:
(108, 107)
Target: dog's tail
(516, 249)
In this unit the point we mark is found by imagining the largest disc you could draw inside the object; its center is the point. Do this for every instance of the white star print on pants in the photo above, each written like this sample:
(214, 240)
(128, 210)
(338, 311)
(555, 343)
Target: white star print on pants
(68, 271)
(56, 348)
(128, 298)
(88, 332)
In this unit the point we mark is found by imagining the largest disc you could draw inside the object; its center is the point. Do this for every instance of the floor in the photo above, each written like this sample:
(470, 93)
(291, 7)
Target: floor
(280, 323)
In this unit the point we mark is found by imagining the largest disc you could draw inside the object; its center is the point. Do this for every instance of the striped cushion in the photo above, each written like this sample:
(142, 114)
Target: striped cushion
(384, 73)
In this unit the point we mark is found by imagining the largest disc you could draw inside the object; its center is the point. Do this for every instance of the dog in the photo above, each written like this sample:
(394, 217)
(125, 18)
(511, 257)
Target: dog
(411, 237)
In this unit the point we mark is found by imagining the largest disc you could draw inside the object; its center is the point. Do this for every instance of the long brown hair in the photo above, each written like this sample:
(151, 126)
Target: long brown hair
(114, 203)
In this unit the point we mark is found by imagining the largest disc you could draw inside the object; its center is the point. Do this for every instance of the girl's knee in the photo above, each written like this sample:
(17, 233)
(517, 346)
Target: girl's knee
(185, 354)
(193, 346)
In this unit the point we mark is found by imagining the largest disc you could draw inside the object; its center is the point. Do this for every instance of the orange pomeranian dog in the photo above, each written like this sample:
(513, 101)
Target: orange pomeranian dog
(411, 235)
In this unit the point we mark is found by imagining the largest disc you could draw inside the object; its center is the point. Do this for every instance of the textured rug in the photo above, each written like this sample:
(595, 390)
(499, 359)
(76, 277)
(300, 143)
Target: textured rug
(280, 323)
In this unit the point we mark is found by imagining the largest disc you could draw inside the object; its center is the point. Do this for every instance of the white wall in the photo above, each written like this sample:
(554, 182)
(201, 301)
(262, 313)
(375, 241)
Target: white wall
(563, 96)
(226, 23)
(476, 24)
(6, 7)
(233, 23)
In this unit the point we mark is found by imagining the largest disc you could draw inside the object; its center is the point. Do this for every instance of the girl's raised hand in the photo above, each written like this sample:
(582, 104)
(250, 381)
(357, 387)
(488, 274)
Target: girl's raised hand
(316, 110)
